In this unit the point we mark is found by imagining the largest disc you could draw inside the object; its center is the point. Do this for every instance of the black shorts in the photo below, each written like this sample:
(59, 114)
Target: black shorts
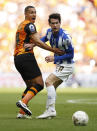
(27, 66)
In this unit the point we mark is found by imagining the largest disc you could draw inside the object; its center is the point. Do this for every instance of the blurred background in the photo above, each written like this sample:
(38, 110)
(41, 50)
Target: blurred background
(79, 18)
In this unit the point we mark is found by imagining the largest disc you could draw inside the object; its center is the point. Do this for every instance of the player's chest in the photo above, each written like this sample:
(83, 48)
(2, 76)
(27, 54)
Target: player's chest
(56, 42)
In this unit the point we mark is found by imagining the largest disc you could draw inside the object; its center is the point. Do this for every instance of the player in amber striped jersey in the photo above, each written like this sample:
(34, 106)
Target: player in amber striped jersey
(25, 61)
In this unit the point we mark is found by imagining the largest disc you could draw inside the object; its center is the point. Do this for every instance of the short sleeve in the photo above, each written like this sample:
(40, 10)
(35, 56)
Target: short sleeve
(30, 28)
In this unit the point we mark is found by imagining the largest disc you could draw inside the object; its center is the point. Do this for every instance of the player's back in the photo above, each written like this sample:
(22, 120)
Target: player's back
(22, 36)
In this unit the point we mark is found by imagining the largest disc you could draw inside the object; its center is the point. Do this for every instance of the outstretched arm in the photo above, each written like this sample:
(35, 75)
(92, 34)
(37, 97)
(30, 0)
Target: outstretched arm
(31, 29)
(41, 44)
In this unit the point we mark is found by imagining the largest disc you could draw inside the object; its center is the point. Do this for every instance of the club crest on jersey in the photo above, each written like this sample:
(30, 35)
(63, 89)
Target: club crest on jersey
(32, 28)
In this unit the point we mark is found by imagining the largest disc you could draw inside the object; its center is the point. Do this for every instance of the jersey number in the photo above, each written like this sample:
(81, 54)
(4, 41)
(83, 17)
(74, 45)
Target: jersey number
(59, 68)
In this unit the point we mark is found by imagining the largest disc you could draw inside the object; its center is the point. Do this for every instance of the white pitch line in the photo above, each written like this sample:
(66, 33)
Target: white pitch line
(83, 101)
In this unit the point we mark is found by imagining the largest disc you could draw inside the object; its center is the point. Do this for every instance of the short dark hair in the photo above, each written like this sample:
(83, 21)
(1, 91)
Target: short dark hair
(27, 8)
(54, 16)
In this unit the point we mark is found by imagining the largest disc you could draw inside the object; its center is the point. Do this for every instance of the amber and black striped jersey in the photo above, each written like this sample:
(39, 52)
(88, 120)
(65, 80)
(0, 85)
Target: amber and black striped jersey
(25, 29)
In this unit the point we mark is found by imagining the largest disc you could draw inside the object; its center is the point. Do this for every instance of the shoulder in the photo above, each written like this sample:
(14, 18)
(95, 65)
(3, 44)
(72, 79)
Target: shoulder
(22, 25)
(65, 34)
(49, 33)
(49, 30)
(30, 27)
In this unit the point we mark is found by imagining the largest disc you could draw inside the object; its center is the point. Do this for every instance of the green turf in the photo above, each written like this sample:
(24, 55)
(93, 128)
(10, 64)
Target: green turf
(86, 101)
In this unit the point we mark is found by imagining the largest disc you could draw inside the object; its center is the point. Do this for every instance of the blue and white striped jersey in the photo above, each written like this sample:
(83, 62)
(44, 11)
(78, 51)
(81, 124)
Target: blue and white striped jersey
(62, 41)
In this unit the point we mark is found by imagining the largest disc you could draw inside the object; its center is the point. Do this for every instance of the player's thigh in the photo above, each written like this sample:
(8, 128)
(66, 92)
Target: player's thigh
(36, 80)
(51, 79)
(57, 83)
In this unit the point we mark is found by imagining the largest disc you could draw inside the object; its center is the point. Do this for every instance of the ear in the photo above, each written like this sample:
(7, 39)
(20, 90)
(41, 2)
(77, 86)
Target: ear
(25, 14)
(49, 24)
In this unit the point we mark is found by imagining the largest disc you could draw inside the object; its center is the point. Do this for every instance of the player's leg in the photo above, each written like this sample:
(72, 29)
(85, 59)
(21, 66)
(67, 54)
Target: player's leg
(31, 74)
(50, 82)
(21, 113)
(17, 61)
(57, 83)
(37, 86)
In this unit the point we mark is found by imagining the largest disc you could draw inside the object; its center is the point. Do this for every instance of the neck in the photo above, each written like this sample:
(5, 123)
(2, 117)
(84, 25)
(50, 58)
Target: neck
(55, 33)
(26, 18)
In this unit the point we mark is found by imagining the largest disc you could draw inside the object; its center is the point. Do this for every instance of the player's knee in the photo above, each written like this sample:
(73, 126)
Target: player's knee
(47, 83)
(38, 87)
(29, 83)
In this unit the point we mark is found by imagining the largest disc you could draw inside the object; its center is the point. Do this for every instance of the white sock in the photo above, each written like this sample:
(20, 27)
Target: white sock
(51, 98)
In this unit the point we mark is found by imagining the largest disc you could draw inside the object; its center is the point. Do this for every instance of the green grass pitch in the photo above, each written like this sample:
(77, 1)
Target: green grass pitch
(68, 101)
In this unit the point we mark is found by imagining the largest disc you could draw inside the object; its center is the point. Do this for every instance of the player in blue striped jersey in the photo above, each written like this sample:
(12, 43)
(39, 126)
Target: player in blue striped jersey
(58, 38)
(63, 41)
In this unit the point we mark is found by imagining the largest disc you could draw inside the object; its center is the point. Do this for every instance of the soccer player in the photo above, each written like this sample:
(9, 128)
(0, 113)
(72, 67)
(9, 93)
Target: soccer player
(58, 38)
(25, 61)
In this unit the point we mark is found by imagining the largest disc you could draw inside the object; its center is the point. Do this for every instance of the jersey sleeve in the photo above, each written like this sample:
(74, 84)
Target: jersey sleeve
(30, 28)
(69, 49)
(67, 41)
(65, 57)
(45, 38)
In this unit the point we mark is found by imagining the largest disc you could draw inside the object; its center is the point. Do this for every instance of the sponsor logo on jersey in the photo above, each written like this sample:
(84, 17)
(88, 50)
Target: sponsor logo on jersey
(32, 28)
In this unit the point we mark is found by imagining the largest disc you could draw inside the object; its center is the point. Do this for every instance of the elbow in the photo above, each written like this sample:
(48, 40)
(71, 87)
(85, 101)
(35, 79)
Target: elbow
(72, 56)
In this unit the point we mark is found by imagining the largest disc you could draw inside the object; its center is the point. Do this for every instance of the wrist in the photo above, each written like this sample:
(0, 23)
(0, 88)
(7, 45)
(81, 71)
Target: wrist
(54, 50)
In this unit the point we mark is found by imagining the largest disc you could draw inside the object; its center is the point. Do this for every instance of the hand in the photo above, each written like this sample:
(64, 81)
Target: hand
(49, 59)
(29, 46)
(58, 51)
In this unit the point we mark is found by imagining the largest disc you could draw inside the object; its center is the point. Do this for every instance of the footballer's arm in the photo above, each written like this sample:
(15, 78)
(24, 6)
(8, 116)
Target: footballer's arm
(39, 43)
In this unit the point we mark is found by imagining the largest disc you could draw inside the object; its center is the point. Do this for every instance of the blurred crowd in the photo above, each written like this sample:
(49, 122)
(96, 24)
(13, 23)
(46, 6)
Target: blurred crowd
(79, 18)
